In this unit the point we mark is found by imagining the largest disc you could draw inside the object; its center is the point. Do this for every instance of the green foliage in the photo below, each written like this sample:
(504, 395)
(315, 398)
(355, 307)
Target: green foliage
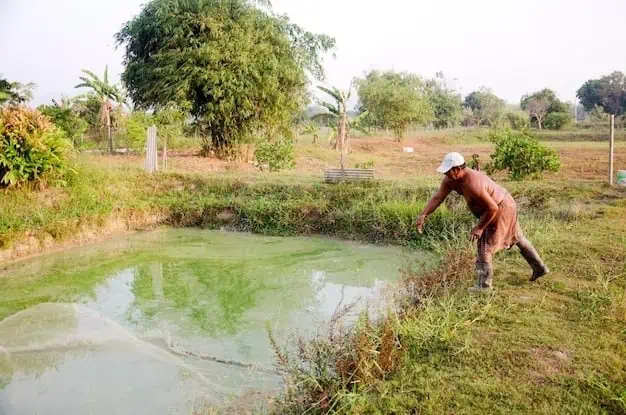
(311, 129)
(518, 120)
(170, 123)
(87, 107)
(237, 68)
(394, 100)
(104, 90)
(541, 104)
(557, 120)
(277, 153)
(608, 92)
(368, 164)
(106, 94)
(474, 162)
(134, 130)
(32, 149)
(14, 93)
(67, 119)
(521, 155)
(446, 103)
(338, 116)
(598, 115)
(554, 103)
(485, 107)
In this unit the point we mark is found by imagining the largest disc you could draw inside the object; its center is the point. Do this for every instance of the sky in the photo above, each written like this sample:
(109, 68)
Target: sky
(511, 46)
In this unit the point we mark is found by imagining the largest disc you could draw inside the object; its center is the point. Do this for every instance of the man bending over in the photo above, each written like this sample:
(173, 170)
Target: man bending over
(497, 228)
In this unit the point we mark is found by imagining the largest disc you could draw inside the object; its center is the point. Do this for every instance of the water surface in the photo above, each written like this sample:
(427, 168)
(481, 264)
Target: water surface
(169, 321)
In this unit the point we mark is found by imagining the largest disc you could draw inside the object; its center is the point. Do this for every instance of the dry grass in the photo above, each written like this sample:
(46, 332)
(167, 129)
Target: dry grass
(580, 160)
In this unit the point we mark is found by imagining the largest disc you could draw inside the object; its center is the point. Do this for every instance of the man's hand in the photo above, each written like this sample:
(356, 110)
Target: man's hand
(419, 223)
(476, 234)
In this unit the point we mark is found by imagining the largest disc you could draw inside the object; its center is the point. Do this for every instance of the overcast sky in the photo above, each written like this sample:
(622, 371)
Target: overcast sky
(511, 46)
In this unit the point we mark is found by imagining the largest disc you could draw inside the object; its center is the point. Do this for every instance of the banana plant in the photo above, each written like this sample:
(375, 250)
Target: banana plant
(338, 114)
(106, 93)
(313, 130)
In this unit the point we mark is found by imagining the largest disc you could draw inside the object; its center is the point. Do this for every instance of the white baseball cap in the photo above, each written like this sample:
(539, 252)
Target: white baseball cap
(449, 161)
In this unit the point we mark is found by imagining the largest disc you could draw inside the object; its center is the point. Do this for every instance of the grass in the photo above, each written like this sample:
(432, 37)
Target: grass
(552, 347)
(556, 346)
(577, 135)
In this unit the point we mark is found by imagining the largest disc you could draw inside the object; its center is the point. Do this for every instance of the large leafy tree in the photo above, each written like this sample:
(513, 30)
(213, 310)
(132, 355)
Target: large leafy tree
(15, 92)
(485, 106)
(106, 93)
(394, 100)
(237, 67)
(608, 92)
(446, 103)
(542, 103)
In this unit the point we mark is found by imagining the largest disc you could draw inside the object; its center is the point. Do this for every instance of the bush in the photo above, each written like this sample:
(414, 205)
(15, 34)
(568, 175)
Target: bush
(134, 131)
(521, 155)
(67, 120)
(32, 149)
(518, 120)
(278, 153)
(169, 123)
(556, 120)
(369, 164)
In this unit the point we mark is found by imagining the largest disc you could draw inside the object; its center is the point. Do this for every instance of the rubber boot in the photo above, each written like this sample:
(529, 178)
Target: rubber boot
(484, 276)
(531, 256)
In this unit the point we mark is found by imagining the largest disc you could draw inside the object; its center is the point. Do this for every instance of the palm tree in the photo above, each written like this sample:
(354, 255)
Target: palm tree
(15, 92)
(106, 93)
(338, 112)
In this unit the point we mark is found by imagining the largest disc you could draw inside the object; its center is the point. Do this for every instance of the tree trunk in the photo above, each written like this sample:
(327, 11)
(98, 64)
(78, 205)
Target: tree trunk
(539, 122)
(109, 134)
(342, 136)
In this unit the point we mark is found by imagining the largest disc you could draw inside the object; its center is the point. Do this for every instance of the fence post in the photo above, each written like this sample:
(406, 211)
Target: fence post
(611, 149)
(151, 151)
(164, 154)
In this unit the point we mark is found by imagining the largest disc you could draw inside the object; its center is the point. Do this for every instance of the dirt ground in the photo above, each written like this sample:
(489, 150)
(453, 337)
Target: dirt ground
(580, 160)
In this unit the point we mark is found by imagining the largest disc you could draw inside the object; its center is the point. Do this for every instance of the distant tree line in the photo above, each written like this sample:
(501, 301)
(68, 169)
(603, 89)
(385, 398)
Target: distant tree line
(233, 71)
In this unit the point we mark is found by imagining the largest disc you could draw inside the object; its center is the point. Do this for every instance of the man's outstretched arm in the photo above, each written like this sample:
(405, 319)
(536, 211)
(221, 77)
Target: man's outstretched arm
(432, 205)
(491, 211)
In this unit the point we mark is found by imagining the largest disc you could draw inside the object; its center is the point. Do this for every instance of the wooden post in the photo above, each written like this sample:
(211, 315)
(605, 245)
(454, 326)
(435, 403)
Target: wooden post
(152, 164)
(611, 148)
(164, 154)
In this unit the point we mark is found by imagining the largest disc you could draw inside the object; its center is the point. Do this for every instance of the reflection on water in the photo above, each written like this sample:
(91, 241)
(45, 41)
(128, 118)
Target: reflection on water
(174, 305)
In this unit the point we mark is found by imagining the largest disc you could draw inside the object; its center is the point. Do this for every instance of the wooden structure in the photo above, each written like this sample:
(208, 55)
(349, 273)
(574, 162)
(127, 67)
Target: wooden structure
(348, 175)
(611, 148)
(152, 163)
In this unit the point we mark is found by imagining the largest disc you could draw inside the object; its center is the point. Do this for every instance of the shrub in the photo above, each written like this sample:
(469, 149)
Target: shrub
(32, 149)
(556, 120)
(134, 131)
(521, 155)
(369, 164)
(518, 120)
(169, 122)
(277, 153)
(67, 120)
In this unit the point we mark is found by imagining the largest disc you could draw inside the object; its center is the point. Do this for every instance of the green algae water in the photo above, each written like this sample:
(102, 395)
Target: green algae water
(172, 321)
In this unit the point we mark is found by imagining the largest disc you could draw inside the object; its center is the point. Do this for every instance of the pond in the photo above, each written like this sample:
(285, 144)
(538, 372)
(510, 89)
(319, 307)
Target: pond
(171, 321)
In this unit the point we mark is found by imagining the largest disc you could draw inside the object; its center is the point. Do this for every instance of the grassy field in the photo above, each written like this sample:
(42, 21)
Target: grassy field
(556, 346)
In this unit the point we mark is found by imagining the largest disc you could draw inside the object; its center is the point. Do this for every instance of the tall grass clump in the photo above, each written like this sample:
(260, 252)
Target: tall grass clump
(378, 213)
(32, 149)
(340, 369)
